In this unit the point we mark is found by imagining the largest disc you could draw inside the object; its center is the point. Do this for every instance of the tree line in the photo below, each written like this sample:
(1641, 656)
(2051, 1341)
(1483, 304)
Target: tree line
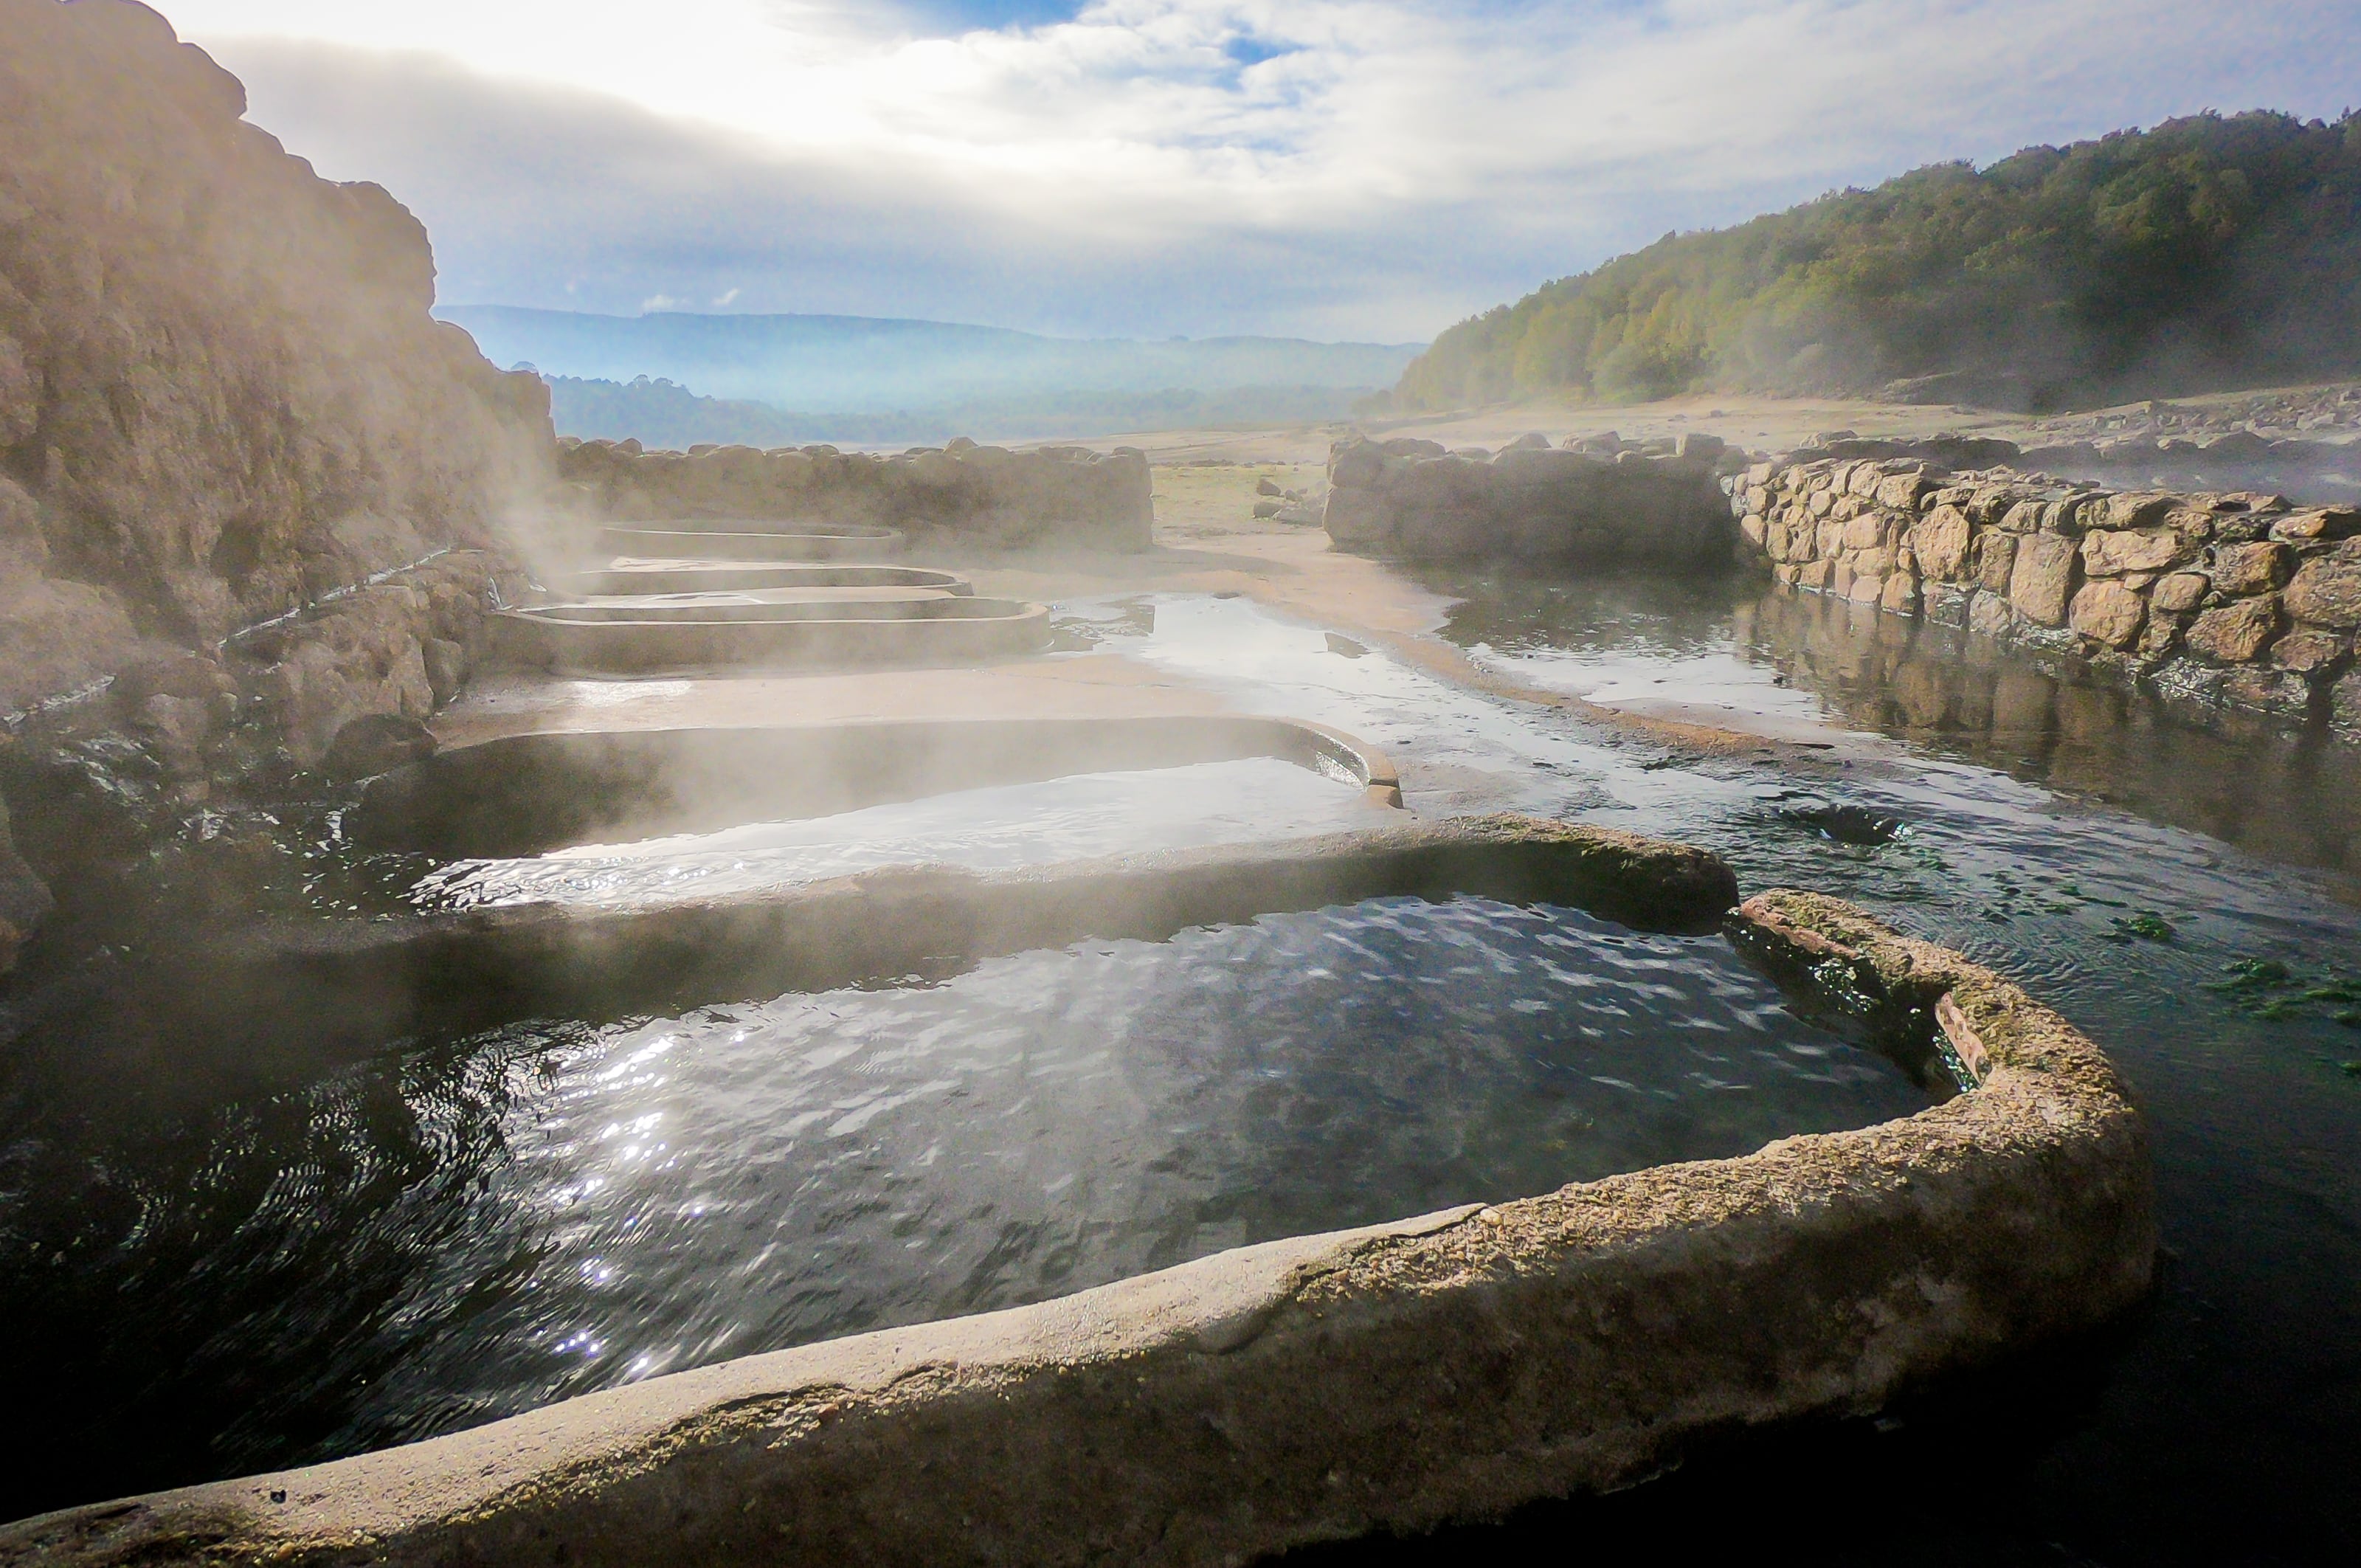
(2209, 252)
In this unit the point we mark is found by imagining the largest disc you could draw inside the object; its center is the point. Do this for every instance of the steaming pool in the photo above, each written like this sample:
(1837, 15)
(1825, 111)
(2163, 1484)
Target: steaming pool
(187, 1258)
(609, 1203)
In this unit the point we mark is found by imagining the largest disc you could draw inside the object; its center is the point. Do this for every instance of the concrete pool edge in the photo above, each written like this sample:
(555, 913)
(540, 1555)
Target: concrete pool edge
(444, 801)
(308, 991)
(1390, 1378)
(950, 630)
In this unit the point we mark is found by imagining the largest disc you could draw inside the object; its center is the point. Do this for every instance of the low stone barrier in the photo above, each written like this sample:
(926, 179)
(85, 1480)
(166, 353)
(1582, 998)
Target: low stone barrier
(1051, 496)
(2218, 601)
(527, 795)
(307, 992)
(1395, 1376)
(1653, 505)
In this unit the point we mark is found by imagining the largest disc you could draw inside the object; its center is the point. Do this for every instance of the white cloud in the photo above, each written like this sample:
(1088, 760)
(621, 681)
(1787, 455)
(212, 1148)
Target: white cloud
(1363, 167)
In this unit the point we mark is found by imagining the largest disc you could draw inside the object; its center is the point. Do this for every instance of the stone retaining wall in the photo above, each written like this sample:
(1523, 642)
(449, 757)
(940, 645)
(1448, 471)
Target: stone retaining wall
(1652, 505)
(1398, 1376)
(1068, 496)
(2215, 601)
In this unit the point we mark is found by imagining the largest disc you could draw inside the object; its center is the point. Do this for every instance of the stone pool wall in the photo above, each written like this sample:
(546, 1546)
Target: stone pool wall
(1051, 496)
(1447, 1367)
(2236, 601)
(1652, 505)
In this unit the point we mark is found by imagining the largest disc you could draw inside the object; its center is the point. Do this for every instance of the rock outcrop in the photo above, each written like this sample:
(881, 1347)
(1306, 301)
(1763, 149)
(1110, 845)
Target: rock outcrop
(1652, 505)
(221, 393)
(250, 490)
(2214, 600)
(1053, 495)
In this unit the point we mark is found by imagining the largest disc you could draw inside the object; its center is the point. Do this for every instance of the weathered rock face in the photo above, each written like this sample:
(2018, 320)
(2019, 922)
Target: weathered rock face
(2235, 600)
(223, 405)
(221, 393)
(1645, 506)
(1052, 496)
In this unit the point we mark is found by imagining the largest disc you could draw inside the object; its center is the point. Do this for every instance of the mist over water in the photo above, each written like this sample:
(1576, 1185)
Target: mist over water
(464, 1227)
(662, 1194)
(1071, 817)
(468, 1228)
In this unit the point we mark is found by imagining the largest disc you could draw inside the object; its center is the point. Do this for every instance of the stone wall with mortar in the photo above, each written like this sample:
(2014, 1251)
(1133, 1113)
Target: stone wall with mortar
(2215, 601)
(1652, 505)
(1050, 496)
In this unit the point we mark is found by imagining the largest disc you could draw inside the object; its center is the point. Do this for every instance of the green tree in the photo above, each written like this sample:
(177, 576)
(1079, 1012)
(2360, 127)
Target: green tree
(2209, 252)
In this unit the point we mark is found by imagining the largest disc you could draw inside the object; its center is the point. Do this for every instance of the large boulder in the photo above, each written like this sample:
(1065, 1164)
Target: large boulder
(2327, 591)
(2041, 581)
(1533, 503)
(2235, 633)
(221, 392)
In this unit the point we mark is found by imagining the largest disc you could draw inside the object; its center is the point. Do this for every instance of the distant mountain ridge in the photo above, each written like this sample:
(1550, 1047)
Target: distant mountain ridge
(861, 365)
(658, 414)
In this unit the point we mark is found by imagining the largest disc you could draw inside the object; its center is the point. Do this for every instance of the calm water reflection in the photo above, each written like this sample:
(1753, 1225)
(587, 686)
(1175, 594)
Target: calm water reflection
(1781, 661)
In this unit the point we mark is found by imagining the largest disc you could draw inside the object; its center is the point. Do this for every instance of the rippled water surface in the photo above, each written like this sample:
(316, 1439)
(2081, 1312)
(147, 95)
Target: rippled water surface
(473, 1219)
(1070, 817)
(477, 1230)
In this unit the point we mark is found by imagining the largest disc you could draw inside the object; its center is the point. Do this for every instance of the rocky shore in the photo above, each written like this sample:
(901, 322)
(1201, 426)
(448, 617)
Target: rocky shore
(252, 495)
(257, 504)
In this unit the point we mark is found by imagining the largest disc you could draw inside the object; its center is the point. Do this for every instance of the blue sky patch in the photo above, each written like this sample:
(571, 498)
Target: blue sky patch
(954, 16)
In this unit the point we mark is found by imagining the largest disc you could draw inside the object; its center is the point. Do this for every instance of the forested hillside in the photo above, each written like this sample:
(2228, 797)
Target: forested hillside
(2207, 253)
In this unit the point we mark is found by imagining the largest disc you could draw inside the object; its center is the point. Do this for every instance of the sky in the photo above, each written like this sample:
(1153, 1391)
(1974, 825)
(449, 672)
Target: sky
(1370, 169)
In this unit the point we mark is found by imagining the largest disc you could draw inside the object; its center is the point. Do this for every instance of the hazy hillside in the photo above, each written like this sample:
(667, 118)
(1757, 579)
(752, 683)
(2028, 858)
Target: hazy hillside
(659, 413)
(857, 365)
(2207, 253)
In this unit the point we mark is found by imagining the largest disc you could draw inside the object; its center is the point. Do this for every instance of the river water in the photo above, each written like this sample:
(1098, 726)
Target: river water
(534, 1204)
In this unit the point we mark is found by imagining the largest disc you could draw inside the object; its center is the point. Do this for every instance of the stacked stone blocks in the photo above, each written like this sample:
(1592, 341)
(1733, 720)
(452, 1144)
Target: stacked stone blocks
(1650, 504)
(2226, 600)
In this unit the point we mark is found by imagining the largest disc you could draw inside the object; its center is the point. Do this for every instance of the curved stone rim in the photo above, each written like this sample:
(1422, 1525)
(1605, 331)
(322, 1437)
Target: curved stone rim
(628, 575)
(418, 804)
(731, 538)
(1400, 1376)
(979, 629)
